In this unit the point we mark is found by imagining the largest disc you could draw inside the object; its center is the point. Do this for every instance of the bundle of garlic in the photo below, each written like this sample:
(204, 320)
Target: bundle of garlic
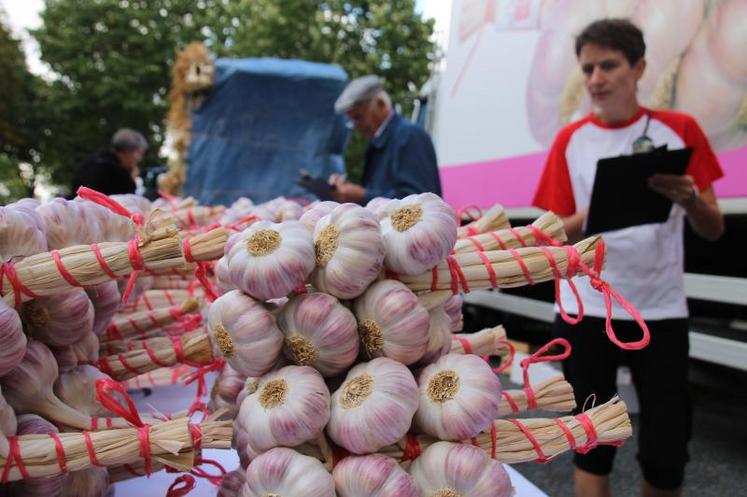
(546, 229)
(554, 394)
(319, 332)
(12, 339)
(373, 407)
(154, 299)
(106, 301)
(494, 219)
(50, 486)
(174, 375)
(392, 322)
(82, 223)
(486, 342)
(84, 351)
(349, 251)
(172, 282)
(8, 425)
(59, 320)
(138, 324)
(459, 396)
(289, 407)
(418, 232)
(449, 470)
(170, 443)
(85, 265)
(285, 472)
(244, 333)
(269, 260)
(373, 476)
(20, 234)
(315, 212)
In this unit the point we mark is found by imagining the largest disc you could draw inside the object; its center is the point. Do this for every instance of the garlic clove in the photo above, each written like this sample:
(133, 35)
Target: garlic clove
(319, 332)
(12, 339)
(459, 396)
(373, 476)
(418, 231)
(106, 301)
(59, 320)
(286, 473)
(453, 308)
(373, 407)
(451, 470)
(315, 212)
(439, 336)
(245, 333)
(392, 322)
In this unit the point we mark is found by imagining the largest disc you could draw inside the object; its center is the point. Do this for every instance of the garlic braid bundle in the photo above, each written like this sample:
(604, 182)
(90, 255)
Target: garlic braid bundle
(373, 407)
(244, 333)
(143, 283)
(270, 260)
(50, 486)
(418, 231)
(315, 212)
(349, 251)
(373, 476)
(59, 320)
(106, 301)
(12, 339)
(450, 470)
(319, 332)
(542, 231)
(459, 397)
(392, 322)
(8, 425)
(290, 406)
(284, 472)
(493, 219)
(20, 235)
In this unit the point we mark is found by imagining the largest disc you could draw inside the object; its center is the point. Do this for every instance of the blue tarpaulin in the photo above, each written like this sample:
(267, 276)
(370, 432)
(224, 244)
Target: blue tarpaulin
(263, 121)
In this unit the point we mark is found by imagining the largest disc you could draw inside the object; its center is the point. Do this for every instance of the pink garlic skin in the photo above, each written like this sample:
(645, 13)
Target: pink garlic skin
(12, 339)
(425, 244)
(20, 233)
(317, 211)
(439, 336)
(230, 485)
(472, 408)
(222, 276)
(287, 473)
(359, 256)
(84, 351)
(248, 387)
(373, 476)
(61, 319)
(77, 388)
(453, 308)
(8, 424)
(106, 301)
(300, 417)
(51, 486)
(277, 273)
(383, 417)
(401, 318)
(256, 339)
(229, 384)
(464, 468)
(327, 324)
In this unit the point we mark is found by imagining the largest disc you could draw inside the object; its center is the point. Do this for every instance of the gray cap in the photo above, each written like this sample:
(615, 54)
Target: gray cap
(357, 91)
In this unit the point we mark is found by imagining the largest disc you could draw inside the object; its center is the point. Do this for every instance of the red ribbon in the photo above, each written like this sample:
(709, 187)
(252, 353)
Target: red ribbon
(412, 448)
(109, 203)
(8, 270)
(537, 357)
(138, 264)
(188, 484)
(14, 457)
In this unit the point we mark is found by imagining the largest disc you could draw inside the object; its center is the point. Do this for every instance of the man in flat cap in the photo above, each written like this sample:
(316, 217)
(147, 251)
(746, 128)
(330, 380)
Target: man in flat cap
(400, 159)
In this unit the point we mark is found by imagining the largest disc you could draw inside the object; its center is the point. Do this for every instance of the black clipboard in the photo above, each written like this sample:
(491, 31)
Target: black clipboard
(318, 186)
(621, 196)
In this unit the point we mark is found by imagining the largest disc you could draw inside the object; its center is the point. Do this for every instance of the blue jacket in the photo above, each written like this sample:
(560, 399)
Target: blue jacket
(400, 161)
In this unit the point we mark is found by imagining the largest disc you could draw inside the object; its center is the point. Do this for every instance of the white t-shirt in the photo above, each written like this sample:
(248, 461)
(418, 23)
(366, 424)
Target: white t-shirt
(645, 264)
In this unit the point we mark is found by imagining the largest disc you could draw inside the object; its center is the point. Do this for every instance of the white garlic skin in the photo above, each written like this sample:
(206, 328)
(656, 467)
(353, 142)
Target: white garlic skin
(415, 248)
(315, 212)
(291, 406)
(275, 267)
(373, 476)
(77, 388)
(378, 206)
(12, 339)
(462, 468)
(389, 310)
(222, 279)
(439, 336)
(383, 412)
(59, 320)
(20, 233)
(286, 473)
(323, 324)
(468, 407)
(453, 308)
(356, 259)
(245, 333)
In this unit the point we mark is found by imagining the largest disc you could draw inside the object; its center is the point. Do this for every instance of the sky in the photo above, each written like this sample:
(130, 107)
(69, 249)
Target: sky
(22, 15)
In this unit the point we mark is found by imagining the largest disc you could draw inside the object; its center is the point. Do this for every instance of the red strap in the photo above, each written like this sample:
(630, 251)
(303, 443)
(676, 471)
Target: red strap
(60, 451)
(511, 354)
(522, 265)
(176, 312)
(493, 441)
(489, 268)
(176, 342)
(511, 402)
(541, 237)
(199, 472)
(102, 262)
(477, 244)
(14, 456)
(412, 448)
(8, 270)
(518, 237)
(175, 490)
(472, 211)
(464, 342)
(138, 264)
(188, 251)
(211, 292)
(167, 294)
(541, 458)
(89, 447)
(152, 355)
(143, 434)
(572, 269)
(538, 357)
(568, 433)
(108, 202)
(191, 218)
(457, 276)
(498, 239)
(196, 432)
(128, 411)
(62, 269)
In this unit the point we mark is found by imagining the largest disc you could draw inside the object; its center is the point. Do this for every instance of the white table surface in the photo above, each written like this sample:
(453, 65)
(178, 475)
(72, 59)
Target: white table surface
(175, 398)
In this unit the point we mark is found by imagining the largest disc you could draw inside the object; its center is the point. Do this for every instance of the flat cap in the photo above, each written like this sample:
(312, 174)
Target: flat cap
(358, 90)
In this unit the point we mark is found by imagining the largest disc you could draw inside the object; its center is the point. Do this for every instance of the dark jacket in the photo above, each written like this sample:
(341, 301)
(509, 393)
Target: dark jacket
(400, 161)
(103, 172)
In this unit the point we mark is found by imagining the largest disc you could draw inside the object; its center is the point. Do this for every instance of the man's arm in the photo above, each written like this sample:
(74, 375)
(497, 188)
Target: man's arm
(703, 212)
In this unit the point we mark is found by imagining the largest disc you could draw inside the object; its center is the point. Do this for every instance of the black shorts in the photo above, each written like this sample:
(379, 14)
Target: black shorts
(660, 377)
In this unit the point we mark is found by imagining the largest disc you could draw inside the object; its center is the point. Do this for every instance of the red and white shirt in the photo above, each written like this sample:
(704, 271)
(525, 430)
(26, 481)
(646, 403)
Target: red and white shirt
(645, 264)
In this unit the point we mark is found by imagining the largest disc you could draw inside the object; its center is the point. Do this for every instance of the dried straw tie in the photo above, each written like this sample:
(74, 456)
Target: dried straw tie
(513, 440)
(85, 265)
(545, 230)
(174, 375)
(139, 323)
(154, 299)
(494, 219)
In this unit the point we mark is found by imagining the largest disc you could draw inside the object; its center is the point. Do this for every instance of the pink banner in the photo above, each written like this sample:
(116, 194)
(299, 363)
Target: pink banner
(511, 181)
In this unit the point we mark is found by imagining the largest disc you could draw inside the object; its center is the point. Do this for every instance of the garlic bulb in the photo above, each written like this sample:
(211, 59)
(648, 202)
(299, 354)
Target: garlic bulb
(230, 484)
(319, 332)
(60, 319)
(8, 425)
(453, 308)
(418, 232)
(77, 388)
(459, 397)
(91, 482)
(315, 212)
(245, 333)
(378, 206)
(392, 322)
(373, 407)
(290, 407)
(373, 476)
(225, 391)
(136, 204)
(221, 276)
(284, 472)
(19, 234)
(349, 251)
(439, 335)
(249, 387)
(451, 470)
(12, 339)
(270, 260)
(84, 351)
(30, 424)
(106, 301)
